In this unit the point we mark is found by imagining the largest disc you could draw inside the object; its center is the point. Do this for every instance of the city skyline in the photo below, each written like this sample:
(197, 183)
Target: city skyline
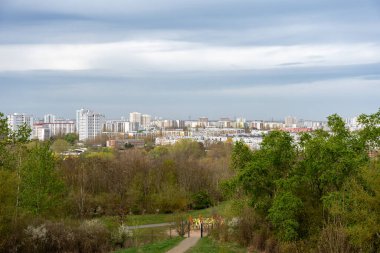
(257, 59)
(56, 116)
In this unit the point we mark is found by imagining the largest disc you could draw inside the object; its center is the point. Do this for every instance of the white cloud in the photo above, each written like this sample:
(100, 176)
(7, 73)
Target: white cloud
(164, 55)
(102, 8)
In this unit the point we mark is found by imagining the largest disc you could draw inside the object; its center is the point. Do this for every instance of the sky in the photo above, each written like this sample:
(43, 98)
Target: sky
(257, 59)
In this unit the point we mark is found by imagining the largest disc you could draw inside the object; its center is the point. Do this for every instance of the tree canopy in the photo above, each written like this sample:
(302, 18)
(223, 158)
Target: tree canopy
(297, 187)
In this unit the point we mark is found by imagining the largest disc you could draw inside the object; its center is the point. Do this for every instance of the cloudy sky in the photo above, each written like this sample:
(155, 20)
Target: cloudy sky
(260, 59)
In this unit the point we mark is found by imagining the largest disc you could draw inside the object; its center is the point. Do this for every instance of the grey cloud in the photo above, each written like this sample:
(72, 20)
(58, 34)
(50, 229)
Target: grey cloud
(189, 93)
(251, 22)
(195, 93)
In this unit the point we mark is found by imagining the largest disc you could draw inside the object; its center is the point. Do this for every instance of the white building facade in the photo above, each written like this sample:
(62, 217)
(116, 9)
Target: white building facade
(89, 123)
(16, 120)
(146, 120)
(49, 118)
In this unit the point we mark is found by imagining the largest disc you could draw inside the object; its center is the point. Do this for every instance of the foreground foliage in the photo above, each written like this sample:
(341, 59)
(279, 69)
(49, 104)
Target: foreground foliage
(323, 189)
(40, 189)
(157, 247)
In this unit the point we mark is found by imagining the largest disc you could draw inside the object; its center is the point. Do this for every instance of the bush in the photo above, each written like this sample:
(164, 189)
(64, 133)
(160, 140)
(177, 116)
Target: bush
(171, 199)
(120, 236)
(333, 239)
(201, 200)
(11, 240)
(47, 236)
(182, 225)
(296, 247)
(92, 236)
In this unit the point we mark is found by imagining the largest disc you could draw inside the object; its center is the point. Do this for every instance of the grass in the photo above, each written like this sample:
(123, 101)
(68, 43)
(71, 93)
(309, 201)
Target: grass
(144, 235)
(133, 220)
(157, 247)
(148, 234)
(208, 245)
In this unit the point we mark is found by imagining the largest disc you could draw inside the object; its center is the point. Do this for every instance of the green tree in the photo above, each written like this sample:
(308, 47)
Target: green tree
(60, 146)
(8, 192)
(259, 171)
(201, 200)
(371, 132)
(356, 205)
(290, 185)
(185, 149)
(241, 156)
(71, 138)
(330, 158)
(12, 155)
(284, 215)
(327, 161)
(42, 191)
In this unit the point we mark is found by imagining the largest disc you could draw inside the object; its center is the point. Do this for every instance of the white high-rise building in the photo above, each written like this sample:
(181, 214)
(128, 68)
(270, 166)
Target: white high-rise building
(146, 120)
(135, 121)
(16, 120)
(61, 127)
(49, 118)
(290, 121)
(240, 122)
(116, 126)
(89, 123)
(77, 114)
(203, 122)
(135, 117)
(41, 131)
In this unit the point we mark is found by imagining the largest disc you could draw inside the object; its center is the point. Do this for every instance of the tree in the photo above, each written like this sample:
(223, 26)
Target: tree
(12, 155)
(8, 192)
(60, 146)
(357, 206)
(329, 159)
(371, 132)
(291, 185)
(241, 156)
(201, 200)
(185, 149)
(284, 215)
(128, 145)
(4, 140)
(42, 191)
(71, 138)
(258, 171)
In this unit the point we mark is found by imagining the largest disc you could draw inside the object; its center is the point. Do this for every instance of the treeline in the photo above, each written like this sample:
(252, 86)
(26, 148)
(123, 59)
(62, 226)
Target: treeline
(321, 194)
(164, 180)
(47, 200)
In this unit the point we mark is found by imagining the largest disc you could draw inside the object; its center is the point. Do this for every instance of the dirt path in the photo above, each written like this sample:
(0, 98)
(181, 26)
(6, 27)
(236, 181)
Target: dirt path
(186, 243)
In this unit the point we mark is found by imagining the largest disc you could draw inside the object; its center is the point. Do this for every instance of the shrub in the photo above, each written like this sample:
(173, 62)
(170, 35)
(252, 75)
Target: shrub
(333, 239)
(201, 200)
(92, 236)
(47, 236)
(120, 236)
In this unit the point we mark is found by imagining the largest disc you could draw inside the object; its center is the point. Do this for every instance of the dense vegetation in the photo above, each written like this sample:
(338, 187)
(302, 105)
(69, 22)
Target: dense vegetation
(48, 201)
(320, 194)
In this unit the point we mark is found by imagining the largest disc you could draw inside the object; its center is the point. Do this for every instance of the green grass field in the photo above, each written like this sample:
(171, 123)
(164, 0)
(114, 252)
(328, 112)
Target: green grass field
(157, 247)
(207, 245)
(161, 218)
(134, 220)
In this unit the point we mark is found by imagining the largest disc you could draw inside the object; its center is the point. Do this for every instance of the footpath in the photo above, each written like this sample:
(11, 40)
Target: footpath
(187, 243)
(184, 245)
